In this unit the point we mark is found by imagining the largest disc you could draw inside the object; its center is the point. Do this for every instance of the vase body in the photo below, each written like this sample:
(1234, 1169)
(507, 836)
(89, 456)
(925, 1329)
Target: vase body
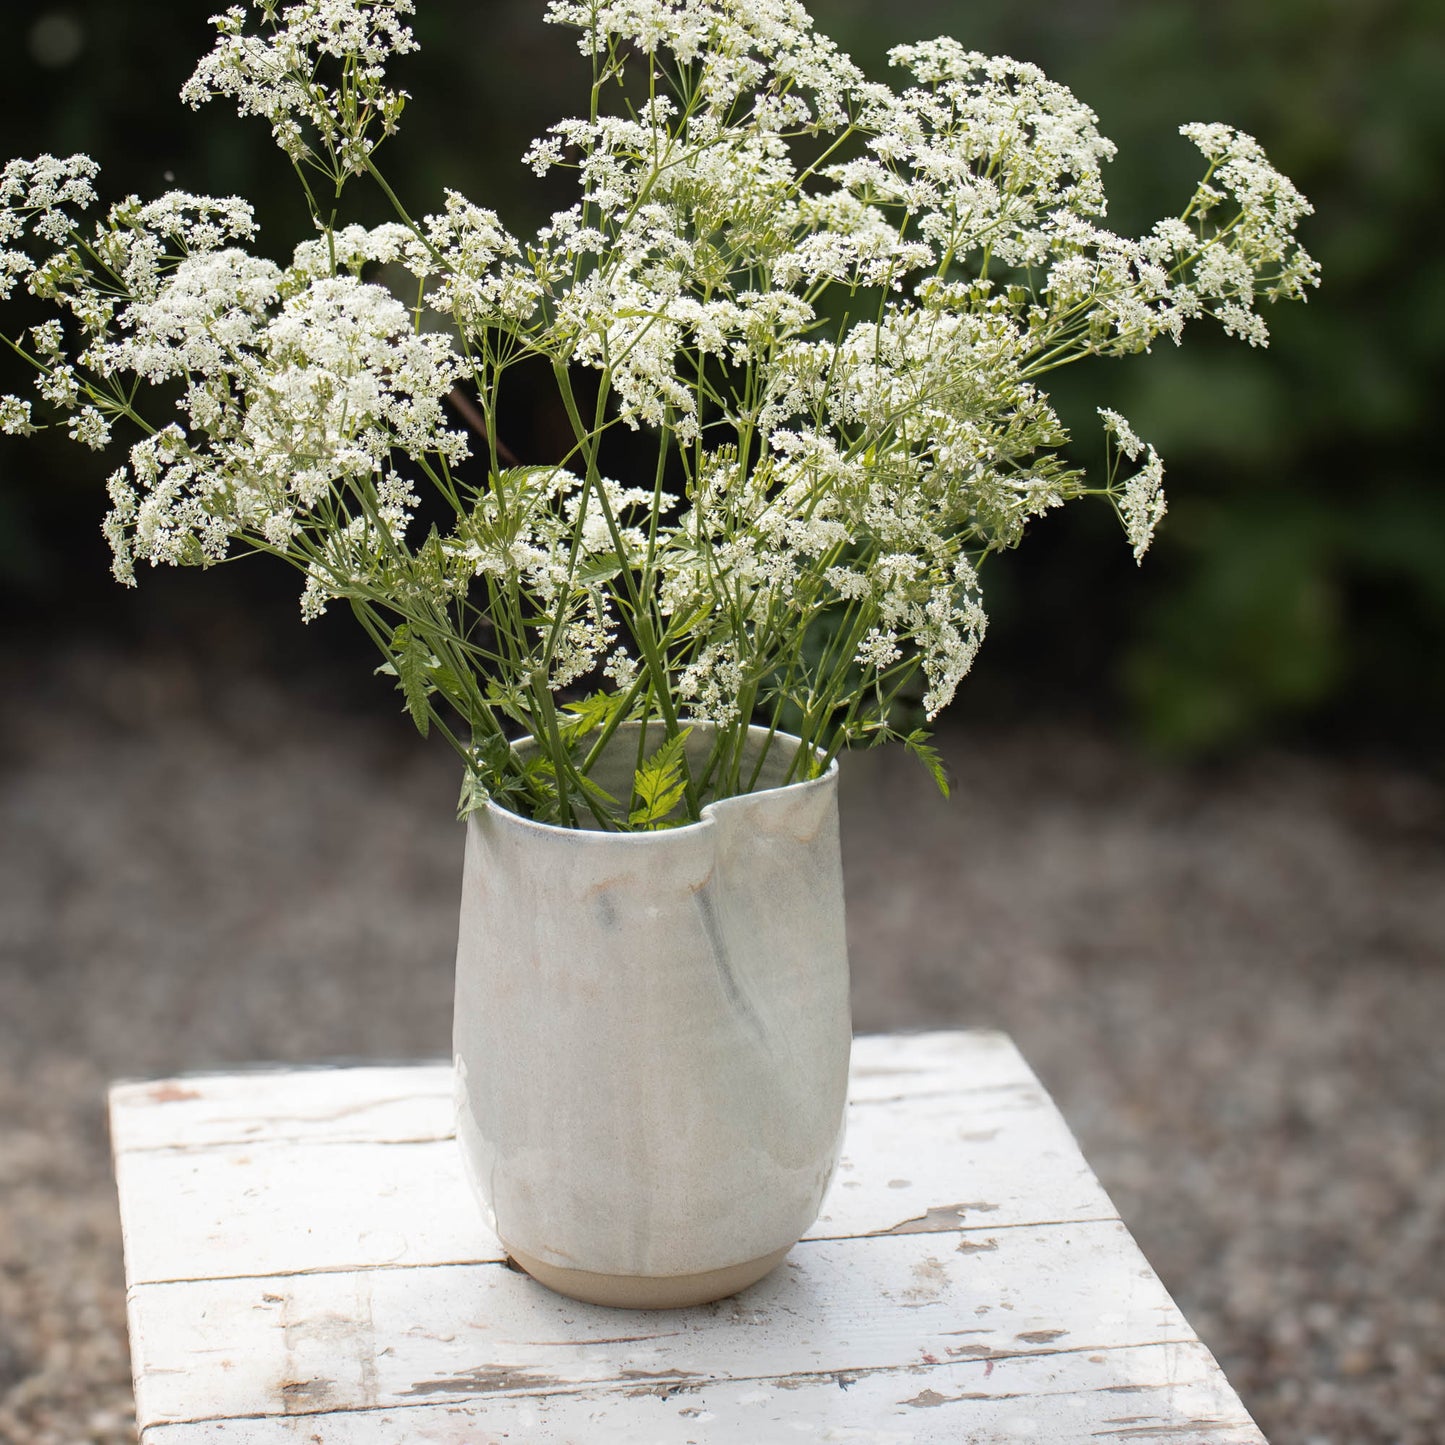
(651, 1037)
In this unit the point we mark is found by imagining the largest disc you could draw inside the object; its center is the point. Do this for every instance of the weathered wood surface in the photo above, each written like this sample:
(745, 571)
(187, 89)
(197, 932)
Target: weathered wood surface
(306, 1264)
(1155, 1393)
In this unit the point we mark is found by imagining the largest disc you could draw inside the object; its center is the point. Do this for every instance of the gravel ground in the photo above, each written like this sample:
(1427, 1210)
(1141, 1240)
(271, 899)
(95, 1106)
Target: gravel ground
(1233, 983)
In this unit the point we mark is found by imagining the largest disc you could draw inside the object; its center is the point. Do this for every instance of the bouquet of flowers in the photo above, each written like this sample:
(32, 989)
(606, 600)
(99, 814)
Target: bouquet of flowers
(832, 306)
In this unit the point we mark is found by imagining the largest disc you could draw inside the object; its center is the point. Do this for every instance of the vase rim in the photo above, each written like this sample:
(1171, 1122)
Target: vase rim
(826, 778)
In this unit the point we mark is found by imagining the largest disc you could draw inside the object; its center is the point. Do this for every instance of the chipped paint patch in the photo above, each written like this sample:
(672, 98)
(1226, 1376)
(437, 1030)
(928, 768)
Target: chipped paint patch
(927, 1400)
(298, 1397)
(936, 1220)
(483, 1380)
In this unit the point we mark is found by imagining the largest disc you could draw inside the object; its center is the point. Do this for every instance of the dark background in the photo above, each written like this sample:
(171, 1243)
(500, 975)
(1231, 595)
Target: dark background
(1297, 591)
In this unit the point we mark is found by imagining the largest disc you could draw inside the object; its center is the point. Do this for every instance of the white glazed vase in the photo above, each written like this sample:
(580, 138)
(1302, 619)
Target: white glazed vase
(652, 1037)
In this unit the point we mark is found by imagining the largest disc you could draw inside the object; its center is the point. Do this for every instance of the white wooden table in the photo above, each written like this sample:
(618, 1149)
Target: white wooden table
(305, 1264)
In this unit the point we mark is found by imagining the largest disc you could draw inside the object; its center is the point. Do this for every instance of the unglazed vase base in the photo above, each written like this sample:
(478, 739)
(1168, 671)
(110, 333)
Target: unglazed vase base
(648, 1292)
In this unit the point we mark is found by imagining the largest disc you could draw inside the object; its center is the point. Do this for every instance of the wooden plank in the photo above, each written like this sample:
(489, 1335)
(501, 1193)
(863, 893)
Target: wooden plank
(1159, 1393)
(891, 1067)
(988, 1157)
(986, 1161)
(397, 1103)
(264, 1209)
(407, 1102)
(383, 1338)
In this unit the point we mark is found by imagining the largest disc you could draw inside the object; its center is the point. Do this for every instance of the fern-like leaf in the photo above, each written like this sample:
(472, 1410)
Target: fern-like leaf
(659, 784)
(917, 743)
(588, 714)
(411, 660)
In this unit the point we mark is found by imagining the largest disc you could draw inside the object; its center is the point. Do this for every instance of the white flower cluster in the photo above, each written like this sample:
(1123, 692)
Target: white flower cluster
(986, 152)
(294, 409)
(1140, 502)
(464, 245)
(546, 532)
(763, 52)
(298, 386)
(275, 76)
(36, 193)
(15, 416)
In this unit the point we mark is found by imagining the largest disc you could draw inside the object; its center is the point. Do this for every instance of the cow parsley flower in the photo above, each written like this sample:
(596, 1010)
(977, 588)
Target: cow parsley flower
(274, 76)
(15, 416)
(806, 546)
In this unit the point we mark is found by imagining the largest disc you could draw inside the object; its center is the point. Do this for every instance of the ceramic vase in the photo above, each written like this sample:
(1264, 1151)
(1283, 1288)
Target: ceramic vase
(652, 1036)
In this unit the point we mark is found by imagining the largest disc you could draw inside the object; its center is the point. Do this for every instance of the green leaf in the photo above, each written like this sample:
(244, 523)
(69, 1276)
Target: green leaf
(659, 784)
(449, 684)
(431, 557)
(512, 702)
(490, 777)
(602, 568)
(411, 660)
(599, 795)
(474, 795)
(588, 714)
(917, 743)
(539, 767)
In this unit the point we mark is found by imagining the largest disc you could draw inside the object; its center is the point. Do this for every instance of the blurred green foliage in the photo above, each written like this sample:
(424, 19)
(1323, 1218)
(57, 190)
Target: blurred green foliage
(1298, 586)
